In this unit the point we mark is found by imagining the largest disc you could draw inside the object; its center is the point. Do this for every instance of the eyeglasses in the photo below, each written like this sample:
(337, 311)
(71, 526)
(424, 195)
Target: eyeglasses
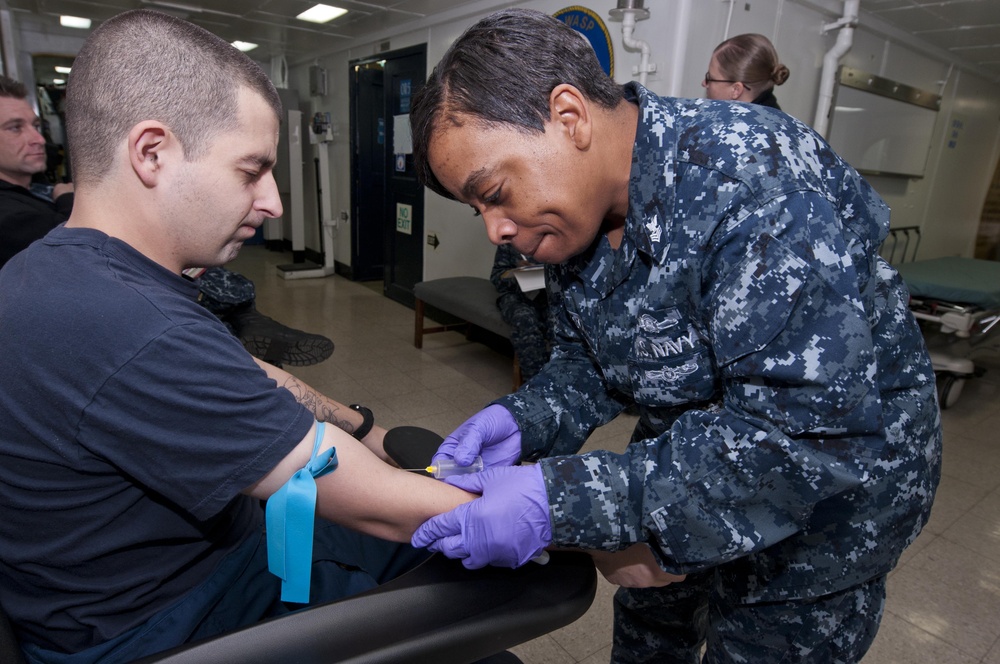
(709, 79)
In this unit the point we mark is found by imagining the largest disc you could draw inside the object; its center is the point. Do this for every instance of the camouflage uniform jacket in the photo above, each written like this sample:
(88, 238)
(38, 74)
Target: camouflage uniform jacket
(789, 433)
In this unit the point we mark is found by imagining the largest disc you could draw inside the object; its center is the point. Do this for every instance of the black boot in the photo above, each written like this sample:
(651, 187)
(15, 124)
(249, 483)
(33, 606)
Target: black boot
(277, 344)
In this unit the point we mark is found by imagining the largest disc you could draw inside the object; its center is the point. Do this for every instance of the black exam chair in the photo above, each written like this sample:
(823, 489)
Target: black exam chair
(439, 612)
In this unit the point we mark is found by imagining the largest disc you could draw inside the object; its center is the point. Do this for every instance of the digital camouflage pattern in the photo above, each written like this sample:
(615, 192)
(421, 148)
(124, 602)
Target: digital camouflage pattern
(526, 314)
(656, 626)
(789, 432)
(222, 291)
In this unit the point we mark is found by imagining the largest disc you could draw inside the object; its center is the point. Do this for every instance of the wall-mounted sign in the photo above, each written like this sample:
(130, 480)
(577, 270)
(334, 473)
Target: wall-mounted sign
(404, 218)
(589, 24)
(405, 92)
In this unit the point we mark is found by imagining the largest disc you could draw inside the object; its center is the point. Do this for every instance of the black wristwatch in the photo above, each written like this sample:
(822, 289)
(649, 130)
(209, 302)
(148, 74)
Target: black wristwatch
(366, 424)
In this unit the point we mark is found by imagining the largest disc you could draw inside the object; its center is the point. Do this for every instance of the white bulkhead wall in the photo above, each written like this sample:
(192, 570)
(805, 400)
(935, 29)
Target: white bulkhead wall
(946, 202)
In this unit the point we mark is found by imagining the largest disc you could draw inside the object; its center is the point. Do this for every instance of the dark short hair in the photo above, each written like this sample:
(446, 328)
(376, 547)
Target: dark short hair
(501, 72)
(750, 58)
(12, 89)
(145, 65)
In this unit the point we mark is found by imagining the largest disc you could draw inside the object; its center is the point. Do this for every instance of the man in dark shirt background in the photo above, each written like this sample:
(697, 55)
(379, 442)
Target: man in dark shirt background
(27, 211)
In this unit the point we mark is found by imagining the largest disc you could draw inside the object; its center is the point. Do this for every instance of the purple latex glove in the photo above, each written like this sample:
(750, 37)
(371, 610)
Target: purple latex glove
(508, 526)
(492, 433)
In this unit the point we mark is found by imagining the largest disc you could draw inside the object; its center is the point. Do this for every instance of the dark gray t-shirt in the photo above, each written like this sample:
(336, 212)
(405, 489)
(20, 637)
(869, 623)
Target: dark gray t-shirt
(132, 421)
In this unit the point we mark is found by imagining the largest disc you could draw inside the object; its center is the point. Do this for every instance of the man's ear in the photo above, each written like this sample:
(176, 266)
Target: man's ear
(570, 110)
(147, 143)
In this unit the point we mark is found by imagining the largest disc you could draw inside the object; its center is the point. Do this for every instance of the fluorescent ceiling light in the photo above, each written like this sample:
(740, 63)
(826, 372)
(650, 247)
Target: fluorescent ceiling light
(74, 22)
(58, 81)
(244, 46)
(321, 14)
(62, 70)
(179, 6)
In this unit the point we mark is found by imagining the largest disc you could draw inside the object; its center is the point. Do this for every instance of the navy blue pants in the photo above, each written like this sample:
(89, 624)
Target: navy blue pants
(671, 625)
(242, 592)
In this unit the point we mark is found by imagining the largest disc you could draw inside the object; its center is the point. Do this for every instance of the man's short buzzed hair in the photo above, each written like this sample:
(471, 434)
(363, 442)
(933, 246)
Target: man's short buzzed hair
(145, 65)
(12, 89)
(501, 72)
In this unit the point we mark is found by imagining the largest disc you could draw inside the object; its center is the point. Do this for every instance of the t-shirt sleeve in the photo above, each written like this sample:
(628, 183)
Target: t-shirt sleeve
(193, 418)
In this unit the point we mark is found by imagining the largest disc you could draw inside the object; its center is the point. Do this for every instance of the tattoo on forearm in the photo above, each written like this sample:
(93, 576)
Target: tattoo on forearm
(320, 406)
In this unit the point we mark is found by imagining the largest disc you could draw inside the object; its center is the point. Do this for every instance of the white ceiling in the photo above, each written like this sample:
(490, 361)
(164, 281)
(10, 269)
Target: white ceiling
(967, 29)
(269, 23)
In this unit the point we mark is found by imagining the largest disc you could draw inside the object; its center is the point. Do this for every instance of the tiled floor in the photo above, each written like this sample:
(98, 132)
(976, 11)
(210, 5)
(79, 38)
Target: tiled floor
(943, 599)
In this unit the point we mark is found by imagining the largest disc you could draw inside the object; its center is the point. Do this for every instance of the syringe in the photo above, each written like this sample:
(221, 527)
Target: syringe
(447, 467)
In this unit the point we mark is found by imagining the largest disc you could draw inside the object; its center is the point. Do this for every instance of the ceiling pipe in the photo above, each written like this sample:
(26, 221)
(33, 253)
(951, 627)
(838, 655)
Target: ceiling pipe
(828, 77)
(729, 19)
(628, 12)
(682, 15)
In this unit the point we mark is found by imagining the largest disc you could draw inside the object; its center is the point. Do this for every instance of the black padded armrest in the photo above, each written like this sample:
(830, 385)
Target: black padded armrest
(411, 447)
(439, 612)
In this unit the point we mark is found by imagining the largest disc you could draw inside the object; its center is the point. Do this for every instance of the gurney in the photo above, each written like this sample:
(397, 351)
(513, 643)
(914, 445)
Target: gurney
(959, 296)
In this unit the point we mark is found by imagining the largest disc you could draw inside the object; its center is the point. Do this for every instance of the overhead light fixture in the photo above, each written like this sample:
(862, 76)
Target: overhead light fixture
(62, 70)
(58, 81)
(74, 22)
(244, 46)
(321, 14)
(179, 6)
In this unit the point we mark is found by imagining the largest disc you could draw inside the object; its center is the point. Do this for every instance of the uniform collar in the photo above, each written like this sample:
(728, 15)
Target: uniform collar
(767, 98)
(4, 184)
(654, 165)
(36, 190)
(604, 268)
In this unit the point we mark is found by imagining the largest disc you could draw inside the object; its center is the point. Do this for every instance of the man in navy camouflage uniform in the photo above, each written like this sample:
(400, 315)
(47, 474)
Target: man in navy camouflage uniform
(526, 313)
(715, 264)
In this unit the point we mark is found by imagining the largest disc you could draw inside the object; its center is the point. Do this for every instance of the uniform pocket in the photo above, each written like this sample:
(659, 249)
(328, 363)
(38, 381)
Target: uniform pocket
(754, 304)
(793, 349)
(670, 363)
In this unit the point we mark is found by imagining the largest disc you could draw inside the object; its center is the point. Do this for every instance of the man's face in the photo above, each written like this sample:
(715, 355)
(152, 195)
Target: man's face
(530, 188)
(22, 147)
(219, 200)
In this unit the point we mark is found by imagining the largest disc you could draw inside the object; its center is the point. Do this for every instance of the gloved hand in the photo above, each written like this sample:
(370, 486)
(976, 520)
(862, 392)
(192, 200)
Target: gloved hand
(492, 433)
(508, 526)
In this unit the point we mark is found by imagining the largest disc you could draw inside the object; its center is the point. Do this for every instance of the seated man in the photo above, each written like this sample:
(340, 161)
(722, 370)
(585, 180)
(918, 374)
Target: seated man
(30, 209)
(139, 435)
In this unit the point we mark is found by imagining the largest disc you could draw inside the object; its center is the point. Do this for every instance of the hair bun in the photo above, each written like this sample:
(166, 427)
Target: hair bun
(780, 74)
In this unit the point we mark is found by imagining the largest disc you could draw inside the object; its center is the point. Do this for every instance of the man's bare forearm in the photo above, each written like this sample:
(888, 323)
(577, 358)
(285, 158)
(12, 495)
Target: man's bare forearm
(363, 493)
(326, 409)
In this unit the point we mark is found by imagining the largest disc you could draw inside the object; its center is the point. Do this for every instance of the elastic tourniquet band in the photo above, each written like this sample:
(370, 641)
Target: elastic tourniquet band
(290, 516)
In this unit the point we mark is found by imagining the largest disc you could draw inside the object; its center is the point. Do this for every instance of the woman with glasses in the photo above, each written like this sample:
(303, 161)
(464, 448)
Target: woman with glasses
(745, 68)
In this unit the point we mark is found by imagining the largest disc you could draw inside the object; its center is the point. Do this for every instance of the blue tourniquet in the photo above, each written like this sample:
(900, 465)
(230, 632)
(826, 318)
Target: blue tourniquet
(290, 517)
